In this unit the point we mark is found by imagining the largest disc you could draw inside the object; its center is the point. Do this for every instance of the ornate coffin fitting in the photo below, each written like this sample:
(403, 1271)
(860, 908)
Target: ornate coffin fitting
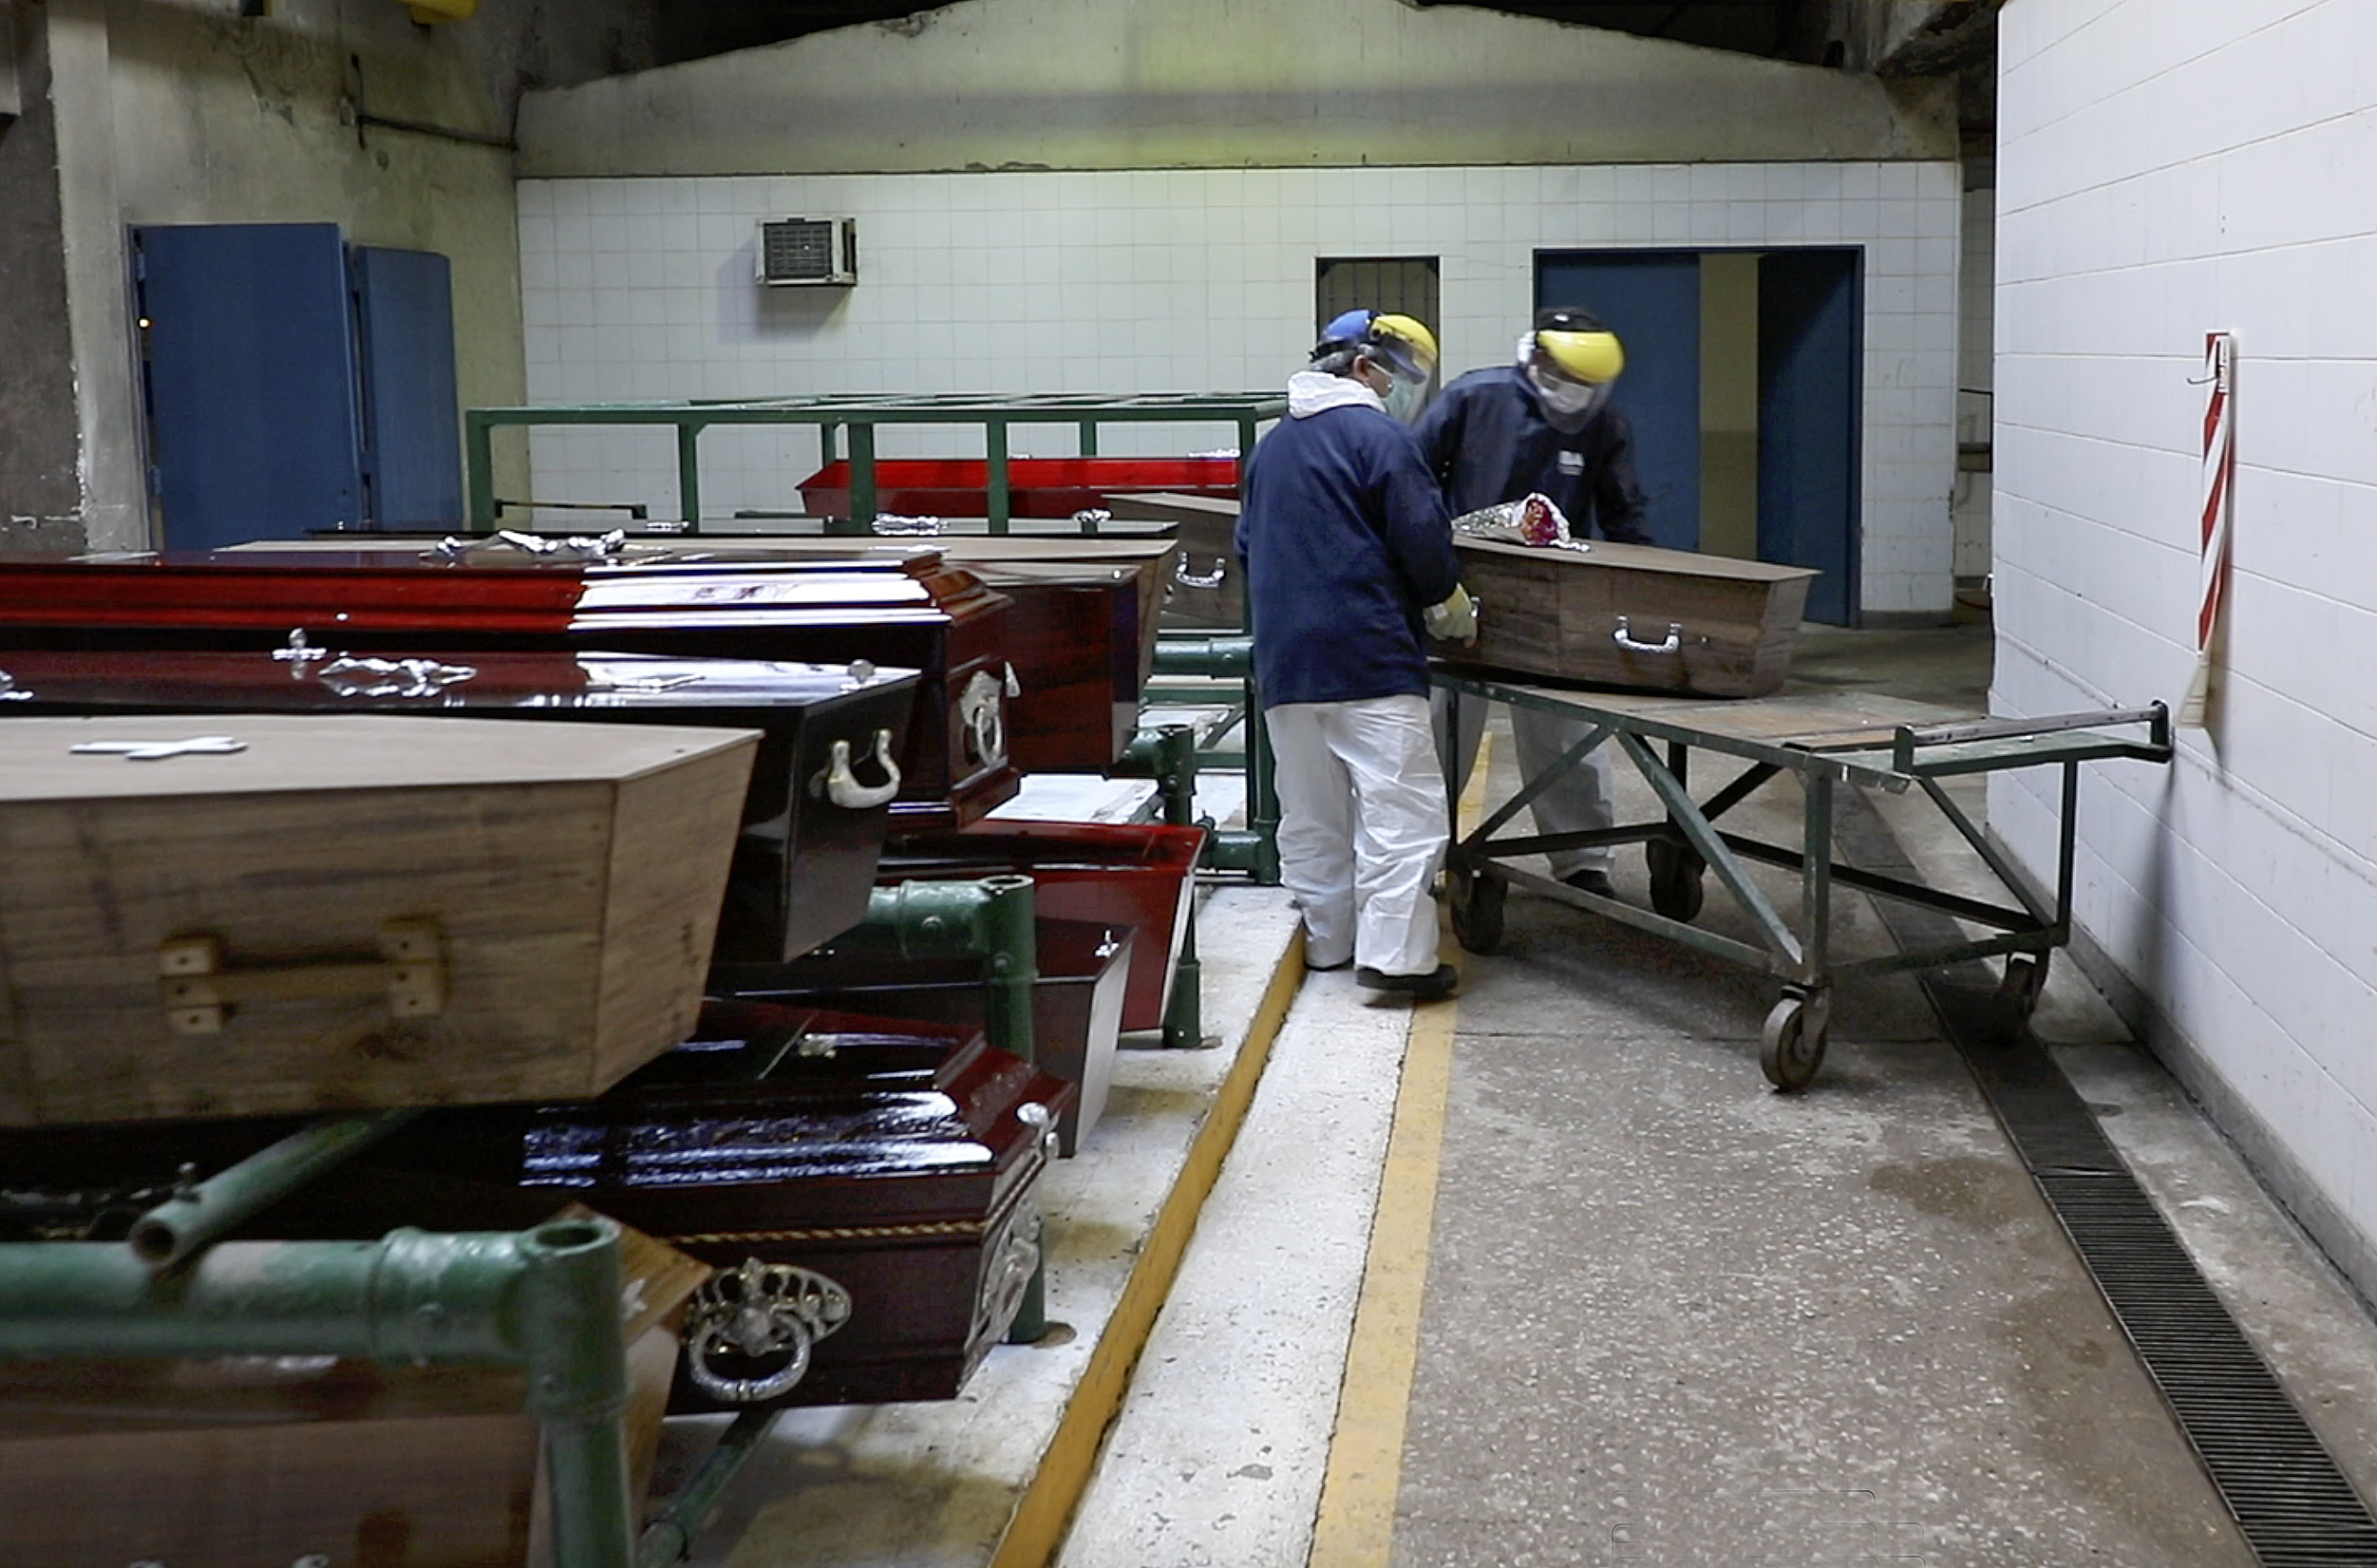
(813, 820)
(1631, 616)
(890, 611)
(1139, 876)
(1084, 970)
(282, 912)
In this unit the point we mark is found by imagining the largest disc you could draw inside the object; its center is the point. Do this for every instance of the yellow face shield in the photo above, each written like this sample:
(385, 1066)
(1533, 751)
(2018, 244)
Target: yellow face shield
(1590, 357)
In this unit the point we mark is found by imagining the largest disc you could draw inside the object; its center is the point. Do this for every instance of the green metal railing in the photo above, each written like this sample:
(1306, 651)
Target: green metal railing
(850, 421)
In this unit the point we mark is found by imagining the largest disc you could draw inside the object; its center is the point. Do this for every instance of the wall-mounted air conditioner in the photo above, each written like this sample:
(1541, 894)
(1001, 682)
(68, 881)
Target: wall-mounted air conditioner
(808, 249)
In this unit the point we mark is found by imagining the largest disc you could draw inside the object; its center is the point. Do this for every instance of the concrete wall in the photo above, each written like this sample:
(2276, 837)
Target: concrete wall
(2166, 168)
(187, 113)
(40, 493)
(990, 84)
(1185, 280)
(1976, 371)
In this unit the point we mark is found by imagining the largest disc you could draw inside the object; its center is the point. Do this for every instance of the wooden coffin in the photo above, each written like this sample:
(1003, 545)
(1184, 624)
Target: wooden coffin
(804, 861)
(1081, 635)
(257, 1460)
(1037, 488)
(1631, 616)
(904, 613)
(1208, 587)
(1084, 970)
(1139, 876)
(350, 910)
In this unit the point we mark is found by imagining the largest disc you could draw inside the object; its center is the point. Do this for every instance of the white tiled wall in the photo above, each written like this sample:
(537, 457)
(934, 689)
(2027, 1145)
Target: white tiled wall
(2167, 168)
(1182, 280)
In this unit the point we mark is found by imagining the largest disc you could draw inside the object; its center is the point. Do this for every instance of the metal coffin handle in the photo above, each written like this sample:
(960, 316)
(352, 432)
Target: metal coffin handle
(838, 784)
(1186, 578)
(758, 1311)
(1624, 638)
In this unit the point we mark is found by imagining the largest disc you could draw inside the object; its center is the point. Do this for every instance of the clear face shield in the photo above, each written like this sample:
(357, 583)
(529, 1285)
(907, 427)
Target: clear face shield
(1565, 396)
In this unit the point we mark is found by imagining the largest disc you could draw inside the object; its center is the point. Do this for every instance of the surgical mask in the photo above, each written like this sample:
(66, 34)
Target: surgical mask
(1568, 399)
(1403, 399)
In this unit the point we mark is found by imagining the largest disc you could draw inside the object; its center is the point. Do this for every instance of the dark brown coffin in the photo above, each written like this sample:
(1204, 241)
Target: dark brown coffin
(1208, 587)
(1084, 969)
(1631, 616)
(905, 612)
(805, 862)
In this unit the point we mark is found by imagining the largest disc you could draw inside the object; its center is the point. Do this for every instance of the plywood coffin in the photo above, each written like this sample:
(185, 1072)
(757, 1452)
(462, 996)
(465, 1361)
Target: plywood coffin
(1208, 586)
(912, 613)
(1631, 616)
(805, 860)
(250, 1459)
(350, 910)
(1084, 970)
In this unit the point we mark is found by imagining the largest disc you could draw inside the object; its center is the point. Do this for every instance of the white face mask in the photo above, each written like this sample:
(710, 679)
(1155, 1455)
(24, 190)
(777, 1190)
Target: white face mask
(1566, 398)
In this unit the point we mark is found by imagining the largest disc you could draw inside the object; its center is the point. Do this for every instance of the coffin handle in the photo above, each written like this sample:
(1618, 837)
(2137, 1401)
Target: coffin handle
(1624, 638)
(757, 1313)
(202, 986)
(1186, 578)
(838, 784)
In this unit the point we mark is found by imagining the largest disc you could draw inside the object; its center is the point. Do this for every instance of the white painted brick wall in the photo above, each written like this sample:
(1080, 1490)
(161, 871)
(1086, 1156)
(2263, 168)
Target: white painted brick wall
(1180, 280)
(2166, 168)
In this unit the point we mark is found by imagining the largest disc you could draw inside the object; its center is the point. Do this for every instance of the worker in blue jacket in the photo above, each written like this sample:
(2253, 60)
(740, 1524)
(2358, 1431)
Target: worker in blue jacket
(1544, 423)
(1348, 557)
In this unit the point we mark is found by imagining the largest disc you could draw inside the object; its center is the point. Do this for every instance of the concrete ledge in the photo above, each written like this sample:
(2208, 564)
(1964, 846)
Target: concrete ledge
(991, 1478)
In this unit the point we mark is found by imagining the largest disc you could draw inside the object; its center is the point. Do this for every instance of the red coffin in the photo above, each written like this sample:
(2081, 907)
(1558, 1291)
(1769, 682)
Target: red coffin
(912, 613)
(1139, 875)
(1037, 488)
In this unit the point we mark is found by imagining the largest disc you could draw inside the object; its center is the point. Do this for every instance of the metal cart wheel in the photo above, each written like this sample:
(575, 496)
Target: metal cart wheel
(1676, 889)
(1790, 1051)
(1477, 907)
(2018, 993)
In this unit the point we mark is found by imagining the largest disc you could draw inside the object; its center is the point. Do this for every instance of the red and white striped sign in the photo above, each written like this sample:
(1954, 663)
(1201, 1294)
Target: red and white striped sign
(2220, 477)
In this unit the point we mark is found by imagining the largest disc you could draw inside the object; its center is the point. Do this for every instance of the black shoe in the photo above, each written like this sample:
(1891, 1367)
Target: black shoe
(1420, 988)
(1595, 882)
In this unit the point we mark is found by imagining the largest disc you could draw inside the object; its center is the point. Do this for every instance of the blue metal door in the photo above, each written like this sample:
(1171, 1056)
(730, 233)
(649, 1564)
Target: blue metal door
(1652, 300)
(411, 417)
(251, 380)
(1808, 422)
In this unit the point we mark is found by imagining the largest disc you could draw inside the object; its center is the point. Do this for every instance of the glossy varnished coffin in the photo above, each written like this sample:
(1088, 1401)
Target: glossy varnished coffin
(804, 861)
(912, 613)
(565, 880)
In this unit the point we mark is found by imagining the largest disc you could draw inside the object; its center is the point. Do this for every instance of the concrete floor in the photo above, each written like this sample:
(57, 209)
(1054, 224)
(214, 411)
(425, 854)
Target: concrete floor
(1651, 1312)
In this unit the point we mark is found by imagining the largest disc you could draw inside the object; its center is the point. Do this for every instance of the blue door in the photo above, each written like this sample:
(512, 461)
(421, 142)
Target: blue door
(251, 380)
(1652, 300)
(411, 419)
(1808, 421)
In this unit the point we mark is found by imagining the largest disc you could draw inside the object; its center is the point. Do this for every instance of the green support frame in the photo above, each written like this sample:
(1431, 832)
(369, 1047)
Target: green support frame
(851, 419)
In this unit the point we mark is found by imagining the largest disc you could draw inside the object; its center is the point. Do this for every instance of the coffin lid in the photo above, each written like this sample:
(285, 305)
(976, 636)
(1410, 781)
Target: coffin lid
(1639, 557)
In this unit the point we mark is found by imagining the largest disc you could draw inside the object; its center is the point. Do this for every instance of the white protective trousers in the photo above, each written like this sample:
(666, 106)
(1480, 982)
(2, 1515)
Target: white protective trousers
(1579, 800)
(1363, 826)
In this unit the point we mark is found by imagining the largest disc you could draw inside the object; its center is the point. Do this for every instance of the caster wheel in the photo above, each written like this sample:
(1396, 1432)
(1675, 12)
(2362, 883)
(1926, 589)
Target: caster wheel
(1676, 889)
(1477, 909)
(2018, 993)
(1788, 1052)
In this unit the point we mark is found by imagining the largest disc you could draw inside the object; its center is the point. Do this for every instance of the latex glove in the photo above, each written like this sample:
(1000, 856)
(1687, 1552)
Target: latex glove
(1454, 620)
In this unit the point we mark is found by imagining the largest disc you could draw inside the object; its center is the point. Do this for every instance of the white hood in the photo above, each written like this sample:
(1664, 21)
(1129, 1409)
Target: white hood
(1311, 392)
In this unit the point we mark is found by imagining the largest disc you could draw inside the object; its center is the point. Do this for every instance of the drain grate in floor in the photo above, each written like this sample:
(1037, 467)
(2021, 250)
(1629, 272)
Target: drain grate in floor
(2295, 1508)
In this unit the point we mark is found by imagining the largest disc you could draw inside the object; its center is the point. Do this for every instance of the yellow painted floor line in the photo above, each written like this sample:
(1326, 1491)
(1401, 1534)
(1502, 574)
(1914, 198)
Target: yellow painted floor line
(1355, 1526)
(1046, 1506)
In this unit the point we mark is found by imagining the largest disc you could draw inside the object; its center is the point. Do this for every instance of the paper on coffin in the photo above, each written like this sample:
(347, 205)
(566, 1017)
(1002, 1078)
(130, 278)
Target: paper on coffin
(814, 816)
(313, 911)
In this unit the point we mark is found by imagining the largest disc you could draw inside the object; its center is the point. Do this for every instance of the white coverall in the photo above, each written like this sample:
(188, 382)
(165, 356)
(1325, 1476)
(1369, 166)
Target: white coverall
(1579, 800)
(1363, 827)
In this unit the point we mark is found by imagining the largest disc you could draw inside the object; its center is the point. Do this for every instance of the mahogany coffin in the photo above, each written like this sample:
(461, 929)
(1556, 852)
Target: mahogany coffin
(812, 827)
(1137, 875)
(1081, 635)
(899, 1161)
(1084, 970)
(903, 613)
(1208, 586)
(286, 913)
(1631, 616)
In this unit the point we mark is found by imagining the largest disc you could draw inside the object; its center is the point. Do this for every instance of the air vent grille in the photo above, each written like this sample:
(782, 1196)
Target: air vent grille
(808, 249)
